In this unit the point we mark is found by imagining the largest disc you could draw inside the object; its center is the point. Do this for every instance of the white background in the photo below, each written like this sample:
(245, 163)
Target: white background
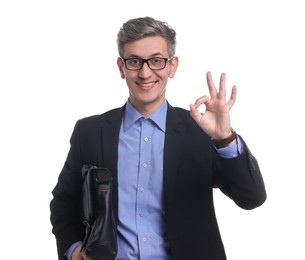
(58, 64)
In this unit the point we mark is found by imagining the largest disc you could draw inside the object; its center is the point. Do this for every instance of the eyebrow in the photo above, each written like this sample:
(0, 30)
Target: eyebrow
(151, 56)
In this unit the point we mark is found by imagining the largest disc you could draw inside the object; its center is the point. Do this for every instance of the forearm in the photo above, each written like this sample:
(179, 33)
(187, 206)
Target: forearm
(240, 179)
(65, 219)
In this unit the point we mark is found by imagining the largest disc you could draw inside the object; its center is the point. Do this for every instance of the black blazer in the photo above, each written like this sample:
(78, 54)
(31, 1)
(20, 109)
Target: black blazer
(192, 169)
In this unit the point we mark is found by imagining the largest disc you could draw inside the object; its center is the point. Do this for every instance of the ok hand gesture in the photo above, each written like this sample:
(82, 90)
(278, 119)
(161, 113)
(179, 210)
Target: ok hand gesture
(215, 121)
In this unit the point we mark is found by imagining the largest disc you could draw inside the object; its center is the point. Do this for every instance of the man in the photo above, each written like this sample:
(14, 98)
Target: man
(165, 160)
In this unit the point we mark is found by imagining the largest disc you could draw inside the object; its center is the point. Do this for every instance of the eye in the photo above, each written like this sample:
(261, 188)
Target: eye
(134, 61)
(156, 60)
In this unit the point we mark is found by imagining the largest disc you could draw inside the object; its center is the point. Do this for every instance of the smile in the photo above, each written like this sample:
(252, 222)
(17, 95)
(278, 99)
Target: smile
(147, 85)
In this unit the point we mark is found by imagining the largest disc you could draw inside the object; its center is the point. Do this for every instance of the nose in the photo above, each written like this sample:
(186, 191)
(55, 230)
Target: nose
(145, 71)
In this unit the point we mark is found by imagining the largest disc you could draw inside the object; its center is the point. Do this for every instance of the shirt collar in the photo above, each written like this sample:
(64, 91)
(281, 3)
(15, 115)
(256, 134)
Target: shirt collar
(131, 115)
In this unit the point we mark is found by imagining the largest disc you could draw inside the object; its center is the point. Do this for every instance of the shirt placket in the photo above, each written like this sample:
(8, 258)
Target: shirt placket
(142, 194)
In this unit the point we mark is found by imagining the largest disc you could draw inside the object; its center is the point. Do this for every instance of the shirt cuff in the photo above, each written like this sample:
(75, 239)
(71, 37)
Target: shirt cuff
(231, 151)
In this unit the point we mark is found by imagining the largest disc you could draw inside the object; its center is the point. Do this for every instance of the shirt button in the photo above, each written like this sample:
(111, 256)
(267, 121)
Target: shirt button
(144, 165)
(145, 139)
(141, 214)
(144, 239)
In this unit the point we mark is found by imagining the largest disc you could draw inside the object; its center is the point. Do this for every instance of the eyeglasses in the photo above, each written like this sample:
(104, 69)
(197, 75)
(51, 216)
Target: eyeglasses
(156, 63)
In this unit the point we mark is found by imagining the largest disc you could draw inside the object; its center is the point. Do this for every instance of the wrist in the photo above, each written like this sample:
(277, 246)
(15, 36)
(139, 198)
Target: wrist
(221, 143)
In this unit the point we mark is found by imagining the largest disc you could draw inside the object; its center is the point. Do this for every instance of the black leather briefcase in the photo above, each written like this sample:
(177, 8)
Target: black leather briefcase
(101, 239)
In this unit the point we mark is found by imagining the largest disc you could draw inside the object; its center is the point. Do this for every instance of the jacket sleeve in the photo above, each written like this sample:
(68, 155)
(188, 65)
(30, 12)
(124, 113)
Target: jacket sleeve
(240, 179)
(66, 204)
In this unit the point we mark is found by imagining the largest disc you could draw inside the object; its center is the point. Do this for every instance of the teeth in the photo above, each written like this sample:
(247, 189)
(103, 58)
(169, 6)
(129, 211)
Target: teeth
(148, 84)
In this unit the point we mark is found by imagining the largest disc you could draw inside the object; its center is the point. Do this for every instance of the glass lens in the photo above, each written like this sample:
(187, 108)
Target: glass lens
(156, 63)
(134, 64)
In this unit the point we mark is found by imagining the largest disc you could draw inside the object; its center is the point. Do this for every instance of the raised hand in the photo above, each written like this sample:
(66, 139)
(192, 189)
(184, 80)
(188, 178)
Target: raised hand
(215, 121)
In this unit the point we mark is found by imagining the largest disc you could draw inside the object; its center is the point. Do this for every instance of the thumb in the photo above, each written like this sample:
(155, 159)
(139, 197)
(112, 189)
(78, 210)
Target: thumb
(195, 114)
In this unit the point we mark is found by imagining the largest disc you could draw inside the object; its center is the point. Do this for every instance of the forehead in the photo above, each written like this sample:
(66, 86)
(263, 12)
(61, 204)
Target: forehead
(146, 47)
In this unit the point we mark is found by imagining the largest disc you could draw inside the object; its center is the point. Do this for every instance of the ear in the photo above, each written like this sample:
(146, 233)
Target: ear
(173, 67)
(121, 67)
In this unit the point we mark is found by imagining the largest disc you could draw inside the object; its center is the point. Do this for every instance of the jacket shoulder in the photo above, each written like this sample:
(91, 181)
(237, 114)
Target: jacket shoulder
(93, 121)
(100, 117)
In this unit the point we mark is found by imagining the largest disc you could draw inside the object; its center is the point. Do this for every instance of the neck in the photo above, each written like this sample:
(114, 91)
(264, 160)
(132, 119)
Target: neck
(147, 109)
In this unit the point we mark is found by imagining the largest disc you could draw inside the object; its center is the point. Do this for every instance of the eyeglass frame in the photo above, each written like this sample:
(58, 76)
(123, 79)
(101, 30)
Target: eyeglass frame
(146, 61)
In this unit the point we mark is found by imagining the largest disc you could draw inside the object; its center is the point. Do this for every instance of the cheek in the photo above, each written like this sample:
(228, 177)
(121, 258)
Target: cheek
(129, 77)
(130, 84)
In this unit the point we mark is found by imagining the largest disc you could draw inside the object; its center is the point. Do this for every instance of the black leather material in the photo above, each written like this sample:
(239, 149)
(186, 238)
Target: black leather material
(100, 241)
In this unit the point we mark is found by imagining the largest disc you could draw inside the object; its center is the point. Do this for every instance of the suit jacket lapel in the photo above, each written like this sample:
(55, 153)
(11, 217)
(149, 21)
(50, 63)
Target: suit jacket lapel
(172, 149)
(110, 139)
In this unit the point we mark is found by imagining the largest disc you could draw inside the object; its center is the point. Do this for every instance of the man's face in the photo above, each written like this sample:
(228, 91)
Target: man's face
(146, 86)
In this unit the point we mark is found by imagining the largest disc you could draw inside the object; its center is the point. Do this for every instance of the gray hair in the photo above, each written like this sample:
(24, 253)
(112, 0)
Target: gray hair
(138, 28)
